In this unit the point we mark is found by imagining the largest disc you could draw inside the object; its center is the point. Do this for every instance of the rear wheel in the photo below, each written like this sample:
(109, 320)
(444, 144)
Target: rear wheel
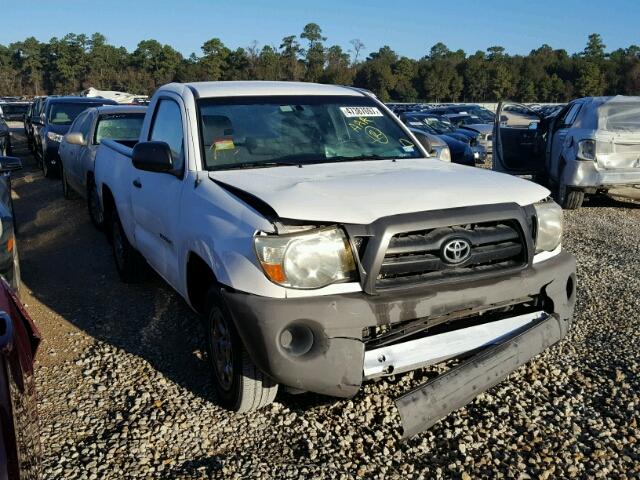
(131, 267)
(93, 205)
(240, 385)
(569, 198)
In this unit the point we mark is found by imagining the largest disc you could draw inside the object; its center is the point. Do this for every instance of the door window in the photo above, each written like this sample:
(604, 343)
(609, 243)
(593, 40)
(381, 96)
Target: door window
(571, 115)
(167, 127)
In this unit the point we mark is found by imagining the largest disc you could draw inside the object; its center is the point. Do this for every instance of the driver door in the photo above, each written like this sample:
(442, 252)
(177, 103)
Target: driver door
(518, 148)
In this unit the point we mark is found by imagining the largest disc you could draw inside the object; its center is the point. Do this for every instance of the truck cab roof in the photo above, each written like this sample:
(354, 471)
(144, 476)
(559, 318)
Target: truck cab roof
(261, 88)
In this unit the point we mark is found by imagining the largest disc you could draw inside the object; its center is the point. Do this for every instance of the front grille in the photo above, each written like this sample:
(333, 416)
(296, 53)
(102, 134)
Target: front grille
(419, 257)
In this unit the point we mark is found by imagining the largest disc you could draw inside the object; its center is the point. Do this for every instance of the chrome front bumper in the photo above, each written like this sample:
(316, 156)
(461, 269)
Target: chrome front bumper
(407, 356)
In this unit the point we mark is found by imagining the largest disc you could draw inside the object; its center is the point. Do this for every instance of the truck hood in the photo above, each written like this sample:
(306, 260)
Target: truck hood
(361, 192)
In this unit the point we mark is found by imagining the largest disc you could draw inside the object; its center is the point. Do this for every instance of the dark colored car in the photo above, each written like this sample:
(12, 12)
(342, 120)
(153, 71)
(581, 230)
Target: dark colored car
(19, 433)
(32, 120)
(58, 113)
(12, 111)
(461, 151)
(5, 138)
(440, 125)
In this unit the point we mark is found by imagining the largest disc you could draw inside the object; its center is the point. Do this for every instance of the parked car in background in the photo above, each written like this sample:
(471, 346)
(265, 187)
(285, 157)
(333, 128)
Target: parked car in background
(590, 146)
(14, 111)
(5, 138)
(323, 248)
(435, 146)
(460, 150)
(20, 450)
(78, 149)
(58, 113)
(517, 115)
(33, 122)
(474, 124)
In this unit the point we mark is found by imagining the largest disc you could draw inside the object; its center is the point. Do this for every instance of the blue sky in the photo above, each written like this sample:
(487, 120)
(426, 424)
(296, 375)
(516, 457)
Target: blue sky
(409, 27)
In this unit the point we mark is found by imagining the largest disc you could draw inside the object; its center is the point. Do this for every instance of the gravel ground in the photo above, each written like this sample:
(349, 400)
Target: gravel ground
(125, 392)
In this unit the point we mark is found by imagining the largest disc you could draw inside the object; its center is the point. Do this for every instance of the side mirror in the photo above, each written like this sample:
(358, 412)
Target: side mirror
(10, 164)
(504, 119)
(153, 157)
(533, 125)
(75, 138)
(423, 139)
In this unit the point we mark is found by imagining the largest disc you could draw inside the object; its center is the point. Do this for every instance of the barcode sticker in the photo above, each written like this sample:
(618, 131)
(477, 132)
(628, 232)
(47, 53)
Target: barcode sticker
(351, 112)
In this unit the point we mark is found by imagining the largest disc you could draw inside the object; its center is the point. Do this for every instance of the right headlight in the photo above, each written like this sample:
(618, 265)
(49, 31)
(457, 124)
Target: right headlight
(309, 259)
(549, 226)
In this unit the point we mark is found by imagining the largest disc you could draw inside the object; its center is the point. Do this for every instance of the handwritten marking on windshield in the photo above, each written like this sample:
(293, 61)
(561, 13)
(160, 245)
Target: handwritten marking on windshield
(359, 123)
(376, 135)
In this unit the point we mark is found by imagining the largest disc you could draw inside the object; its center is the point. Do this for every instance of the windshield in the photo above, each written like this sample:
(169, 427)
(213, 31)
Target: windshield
(440, 125)
(248, 132)
(119, 126)
(66, 113)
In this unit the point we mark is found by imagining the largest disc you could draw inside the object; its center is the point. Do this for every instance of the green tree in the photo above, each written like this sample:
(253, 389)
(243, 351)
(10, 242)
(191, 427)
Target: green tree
(214, 60)
(315, 55)
(290, 53)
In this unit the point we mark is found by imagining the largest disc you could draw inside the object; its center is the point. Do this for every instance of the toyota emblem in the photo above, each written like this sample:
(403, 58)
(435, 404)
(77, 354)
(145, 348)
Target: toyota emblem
(456, 251)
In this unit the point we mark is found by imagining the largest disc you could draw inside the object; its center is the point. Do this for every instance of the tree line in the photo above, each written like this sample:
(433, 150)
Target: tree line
(78, 61)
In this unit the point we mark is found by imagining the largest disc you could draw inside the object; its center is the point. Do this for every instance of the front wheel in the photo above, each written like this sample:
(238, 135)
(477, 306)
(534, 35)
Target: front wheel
(129, 263)
(239, 384)
(67, 193)
(93, 205)
(46, 168)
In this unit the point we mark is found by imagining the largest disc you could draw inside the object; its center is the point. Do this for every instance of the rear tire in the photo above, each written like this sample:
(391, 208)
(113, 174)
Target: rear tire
(131, 266)
(239, 384)
(569, 198)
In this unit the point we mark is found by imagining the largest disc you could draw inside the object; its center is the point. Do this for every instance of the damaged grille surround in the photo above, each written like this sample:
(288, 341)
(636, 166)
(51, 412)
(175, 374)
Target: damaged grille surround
(404, 251)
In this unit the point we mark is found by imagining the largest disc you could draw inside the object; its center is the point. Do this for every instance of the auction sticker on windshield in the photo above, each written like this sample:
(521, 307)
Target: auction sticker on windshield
(350, 112)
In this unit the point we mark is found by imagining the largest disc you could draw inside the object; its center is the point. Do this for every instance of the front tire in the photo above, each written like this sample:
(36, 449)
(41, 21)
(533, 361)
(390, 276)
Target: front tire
(131, 266)
(239, 384)
(46, 169)
(67, 193)
(93, 205)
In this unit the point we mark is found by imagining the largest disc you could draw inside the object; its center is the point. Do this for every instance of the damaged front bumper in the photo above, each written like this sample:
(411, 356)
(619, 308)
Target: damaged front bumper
(424, 406)
(319, 344)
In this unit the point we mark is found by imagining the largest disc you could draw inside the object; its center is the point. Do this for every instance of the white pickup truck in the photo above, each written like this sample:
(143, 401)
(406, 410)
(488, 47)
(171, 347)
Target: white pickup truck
(324, 248)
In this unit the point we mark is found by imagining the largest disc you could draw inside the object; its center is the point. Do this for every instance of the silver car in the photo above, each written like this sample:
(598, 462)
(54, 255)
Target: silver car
(590, 146)
(79, 146)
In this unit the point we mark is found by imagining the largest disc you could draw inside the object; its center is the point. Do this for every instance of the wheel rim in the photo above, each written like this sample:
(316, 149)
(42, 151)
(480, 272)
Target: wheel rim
(221, 349)
(94, 205)
(118, 247)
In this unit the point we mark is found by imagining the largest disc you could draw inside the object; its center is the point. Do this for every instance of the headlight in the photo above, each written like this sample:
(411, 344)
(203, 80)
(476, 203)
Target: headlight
(587, 149)
(55, 137)
(442, 153)
(310, 259)
(549, 228)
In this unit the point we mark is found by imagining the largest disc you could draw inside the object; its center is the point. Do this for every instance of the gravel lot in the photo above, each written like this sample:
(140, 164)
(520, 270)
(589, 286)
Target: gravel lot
(125, 392)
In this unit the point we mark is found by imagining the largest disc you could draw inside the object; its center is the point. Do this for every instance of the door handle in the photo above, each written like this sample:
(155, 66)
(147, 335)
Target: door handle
(137, 183)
